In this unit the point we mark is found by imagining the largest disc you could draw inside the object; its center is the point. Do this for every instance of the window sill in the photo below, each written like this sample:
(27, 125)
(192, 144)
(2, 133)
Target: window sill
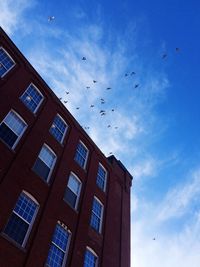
(13, 242)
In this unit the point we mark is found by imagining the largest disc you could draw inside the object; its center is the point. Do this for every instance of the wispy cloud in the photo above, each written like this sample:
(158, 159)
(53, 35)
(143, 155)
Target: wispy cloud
(181, 198)
(12, 14)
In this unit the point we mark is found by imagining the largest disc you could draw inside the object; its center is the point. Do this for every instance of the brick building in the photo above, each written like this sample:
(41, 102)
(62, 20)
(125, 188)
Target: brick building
(62, 202)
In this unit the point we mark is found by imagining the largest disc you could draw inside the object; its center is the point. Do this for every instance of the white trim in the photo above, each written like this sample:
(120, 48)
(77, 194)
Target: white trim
(19, 136)
(102, 212)
(14, 63)
(106, 175)
(39, 104)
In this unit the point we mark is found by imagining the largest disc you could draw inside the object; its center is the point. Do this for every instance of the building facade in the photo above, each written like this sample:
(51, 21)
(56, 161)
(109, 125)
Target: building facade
(62, 202)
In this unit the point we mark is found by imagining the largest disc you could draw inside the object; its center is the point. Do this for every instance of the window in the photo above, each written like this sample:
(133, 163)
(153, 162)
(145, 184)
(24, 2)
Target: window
(59, 246)
(32, 98)
(81, 154)
(45, 163)
(101, 178)
(90, 259)
(58, 128)
(73, 190)
(6, 62)
(12, 128)
(22, 218)
(97, 215)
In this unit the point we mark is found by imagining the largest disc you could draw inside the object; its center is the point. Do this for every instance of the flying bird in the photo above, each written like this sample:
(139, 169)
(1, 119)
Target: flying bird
(102, 111)
(112, 109)
(116, 127)
(136, 85)
(91, 106)
(132, 73)
(65, 101)
(108, 88)
(126, 74)
(67, 93)
(83, 58)
(94, 81)
(60, 98)
(164, 56)
(87, 87)
(50, 18)
(77, 108)
(154, 238)
(177, 49)
(109, 126)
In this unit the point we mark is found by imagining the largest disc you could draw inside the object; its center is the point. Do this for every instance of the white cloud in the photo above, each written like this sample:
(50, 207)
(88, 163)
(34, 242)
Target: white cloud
(179, 199)
(11, 14)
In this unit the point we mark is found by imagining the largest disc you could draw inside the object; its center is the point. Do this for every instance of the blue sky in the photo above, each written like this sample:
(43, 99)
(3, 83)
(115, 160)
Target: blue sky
(158, 122)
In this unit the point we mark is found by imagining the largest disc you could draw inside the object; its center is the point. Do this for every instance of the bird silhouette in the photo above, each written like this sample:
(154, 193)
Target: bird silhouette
(126, 74)
(94, 81)
(65, 101)
(60, 98)
(132, 73)
(136, 85)
(154, 238)
(102, 111)
(177, 49)
(109, 126)
(77, 108)
(164, 56)
(87, 87)
(50, 18)
(91, 106)
(67, 93)
(112, 109)
(108, 88)
(116, 127)
(83, 58)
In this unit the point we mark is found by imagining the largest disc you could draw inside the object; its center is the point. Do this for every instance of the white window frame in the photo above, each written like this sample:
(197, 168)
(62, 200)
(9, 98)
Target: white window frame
(14, 63)
(64, 131)
(68, 243)
(106, 175)
(86, 159)
(53, 165)
(32, 84)
(94, 253)
(19, 136)
(102, 212)
(79, 192)
(32, 221)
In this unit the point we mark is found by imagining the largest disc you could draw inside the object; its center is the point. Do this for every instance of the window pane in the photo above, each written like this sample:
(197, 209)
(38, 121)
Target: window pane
(81, 155)
(96, 215)
(74, 184)
(70, 197)
(90, 259)
(6, 62)
(101, 177)
(7, 135)
(32, 98)
(58, 247)
(16, 228)
(14, 123)
(55, 257)
(47, 156)
(58, 128)
(25, 208)
(41, 169)
(21, 218)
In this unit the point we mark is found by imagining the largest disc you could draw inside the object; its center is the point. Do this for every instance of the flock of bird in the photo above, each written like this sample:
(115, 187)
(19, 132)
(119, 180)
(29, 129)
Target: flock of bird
(103, 112)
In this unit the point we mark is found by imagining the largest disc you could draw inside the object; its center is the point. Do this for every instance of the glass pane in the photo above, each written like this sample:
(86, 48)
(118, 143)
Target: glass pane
(41, 169)
(14, 123)
(7, 135)
(70, 198)
(47, 156)
(16, 228)
(60, 237)
(55, 257)
(73, 184)
(90, 259)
